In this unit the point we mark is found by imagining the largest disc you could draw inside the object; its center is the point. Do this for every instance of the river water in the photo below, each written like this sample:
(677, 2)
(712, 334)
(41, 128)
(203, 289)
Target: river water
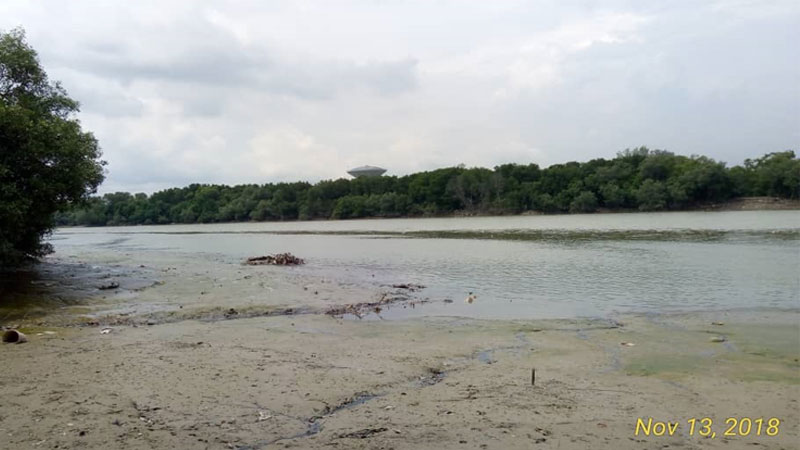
(517, 267)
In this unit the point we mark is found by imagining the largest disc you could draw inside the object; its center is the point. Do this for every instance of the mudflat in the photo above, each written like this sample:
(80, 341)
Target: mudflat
(264, 361)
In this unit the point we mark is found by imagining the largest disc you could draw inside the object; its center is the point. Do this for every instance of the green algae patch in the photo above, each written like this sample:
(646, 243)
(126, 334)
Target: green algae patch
(778, 341)
(747, 352)
(748, 367)
(667, 366)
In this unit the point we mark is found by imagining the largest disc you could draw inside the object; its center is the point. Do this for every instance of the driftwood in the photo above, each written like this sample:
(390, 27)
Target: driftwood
(410, 286)
(280, 259)
(363, 434)
(387, 299)
(359, 309)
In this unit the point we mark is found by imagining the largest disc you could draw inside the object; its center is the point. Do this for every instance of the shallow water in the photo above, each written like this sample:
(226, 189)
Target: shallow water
(520, 266)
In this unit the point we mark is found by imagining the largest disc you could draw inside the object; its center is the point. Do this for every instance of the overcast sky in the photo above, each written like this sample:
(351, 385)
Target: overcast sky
(252, 92)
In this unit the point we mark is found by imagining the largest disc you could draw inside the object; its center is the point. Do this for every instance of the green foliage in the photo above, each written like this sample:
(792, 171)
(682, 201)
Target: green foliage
(47, 162)
(638, 178)
(613, 196)
(545, 203)
(775, 174)
(584, 202)
(652, 195)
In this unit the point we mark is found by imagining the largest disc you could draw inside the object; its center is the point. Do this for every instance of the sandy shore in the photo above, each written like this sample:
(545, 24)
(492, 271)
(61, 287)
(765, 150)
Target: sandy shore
(278, 372)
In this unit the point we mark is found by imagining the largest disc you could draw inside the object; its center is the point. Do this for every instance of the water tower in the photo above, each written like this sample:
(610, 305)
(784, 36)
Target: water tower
(366, 171)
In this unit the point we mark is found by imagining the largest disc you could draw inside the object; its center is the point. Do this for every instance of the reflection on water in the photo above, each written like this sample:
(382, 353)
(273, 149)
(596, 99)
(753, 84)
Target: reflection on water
(58, 288)
(525, 267)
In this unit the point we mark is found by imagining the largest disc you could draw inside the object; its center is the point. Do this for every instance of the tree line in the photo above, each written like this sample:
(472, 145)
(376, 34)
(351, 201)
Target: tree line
(640, 178)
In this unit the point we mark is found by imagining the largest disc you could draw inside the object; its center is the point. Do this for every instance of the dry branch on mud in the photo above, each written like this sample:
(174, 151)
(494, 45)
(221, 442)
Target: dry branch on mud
(361, 308)
(279, 259)
(409, 286)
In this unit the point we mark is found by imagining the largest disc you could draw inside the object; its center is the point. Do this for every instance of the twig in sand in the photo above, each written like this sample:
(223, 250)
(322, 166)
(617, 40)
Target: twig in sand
(600, 390)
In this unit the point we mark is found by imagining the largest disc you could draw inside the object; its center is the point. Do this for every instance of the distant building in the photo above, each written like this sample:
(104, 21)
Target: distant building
(366, 171)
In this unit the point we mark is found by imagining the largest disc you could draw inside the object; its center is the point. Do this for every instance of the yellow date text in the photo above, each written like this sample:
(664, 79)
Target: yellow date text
(708, 428)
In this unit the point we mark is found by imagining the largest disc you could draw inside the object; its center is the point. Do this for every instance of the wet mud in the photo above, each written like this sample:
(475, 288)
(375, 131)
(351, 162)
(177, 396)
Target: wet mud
(216, 355)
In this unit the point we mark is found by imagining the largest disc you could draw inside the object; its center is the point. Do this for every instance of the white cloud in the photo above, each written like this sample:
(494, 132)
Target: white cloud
(286, 150)
(204, 91)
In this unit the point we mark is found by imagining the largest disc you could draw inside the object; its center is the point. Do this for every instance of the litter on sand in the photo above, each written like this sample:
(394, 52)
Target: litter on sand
(14, 337)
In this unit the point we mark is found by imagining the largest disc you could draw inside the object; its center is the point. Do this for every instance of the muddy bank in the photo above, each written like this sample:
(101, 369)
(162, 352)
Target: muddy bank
(753, 204)
(314, 381)
(60, 290)
(154, 288)
(219, 355)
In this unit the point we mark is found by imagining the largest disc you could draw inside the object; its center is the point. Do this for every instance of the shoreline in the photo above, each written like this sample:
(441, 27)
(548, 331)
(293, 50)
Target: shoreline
(736, 204)
(66, 291)
(321, 381)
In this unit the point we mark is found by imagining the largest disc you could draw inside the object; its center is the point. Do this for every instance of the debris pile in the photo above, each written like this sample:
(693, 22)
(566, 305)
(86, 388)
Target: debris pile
(362, 308)
(280, 259)
(109, 285)
(387, 299)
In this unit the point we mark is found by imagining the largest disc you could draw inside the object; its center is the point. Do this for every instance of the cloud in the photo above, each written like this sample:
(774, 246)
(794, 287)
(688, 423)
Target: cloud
(536, 61)
(252, 92)
(267, 151)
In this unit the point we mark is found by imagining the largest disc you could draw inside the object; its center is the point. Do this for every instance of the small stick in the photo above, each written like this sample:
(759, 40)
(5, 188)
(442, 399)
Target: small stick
(600, 390)
(533, 377)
